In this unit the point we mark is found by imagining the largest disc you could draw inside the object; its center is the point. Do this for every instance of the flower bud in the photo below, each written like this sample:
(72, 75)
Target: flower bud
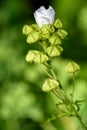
(54, 51)
(34, 36)
(44, 16)
(50, 84)
(72, 67)
(54, 40)
(57, 23)
(62, 33)
(27, 29)
(36, 56)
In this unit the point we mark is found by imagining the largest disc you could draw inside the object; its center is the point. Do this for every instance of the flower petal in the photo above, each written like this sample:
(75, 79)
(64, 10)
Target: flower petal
(44, 16)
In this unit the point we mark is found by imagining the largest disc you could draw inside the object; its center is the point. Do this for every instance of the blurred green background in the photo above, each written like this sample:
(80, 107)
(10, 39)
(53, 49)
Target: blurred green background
(23, 105)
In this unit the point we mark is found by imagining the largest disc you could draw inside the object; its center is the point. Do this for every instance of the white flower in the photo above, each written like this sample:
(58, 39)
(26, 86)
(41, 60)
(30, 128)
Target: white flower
(44, 16)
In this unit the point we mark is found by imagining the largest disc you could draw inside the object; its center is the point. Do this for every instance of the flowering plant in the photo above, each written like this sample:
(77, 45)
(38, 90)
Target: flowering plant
(48, 33)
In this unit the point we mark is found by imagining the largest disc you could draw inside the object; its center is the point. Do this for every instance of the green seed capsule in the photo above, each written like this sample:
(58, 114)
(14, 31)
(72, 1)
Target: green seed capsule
(33, 37)
(57, 24)
(27, 29)
(72, 67)
(50, 84)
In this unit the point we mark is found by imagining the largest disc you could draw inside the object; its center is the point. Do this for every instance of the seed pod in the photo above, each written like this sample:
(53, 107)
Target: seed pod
(30, 56)
(27, 29)
(35, 27)
(36, 56)
(45, 31)
(50, 84)
(62, 33)
(72, 67)
(57, 24)
(40, 58)
(53, 51)
(54, 40)
(34, 36)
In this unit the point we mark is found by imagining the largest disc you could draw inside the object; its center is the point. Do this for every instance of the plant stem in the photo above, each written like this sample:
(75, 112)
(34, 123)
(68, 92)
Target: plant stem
(83, 125)
(73, 87)
(48, 74)
(80, 120)
(53, 74)
(56, 94)
(62, 94)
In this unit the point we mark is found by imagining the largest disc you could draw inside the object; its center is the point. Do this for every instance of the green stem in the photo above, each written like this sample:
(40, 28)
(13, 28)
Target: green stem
(48, 74)
(61, 94)
(83, 125)
(73, 87)
(80, 120)
(53, 74)
(57, 95)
